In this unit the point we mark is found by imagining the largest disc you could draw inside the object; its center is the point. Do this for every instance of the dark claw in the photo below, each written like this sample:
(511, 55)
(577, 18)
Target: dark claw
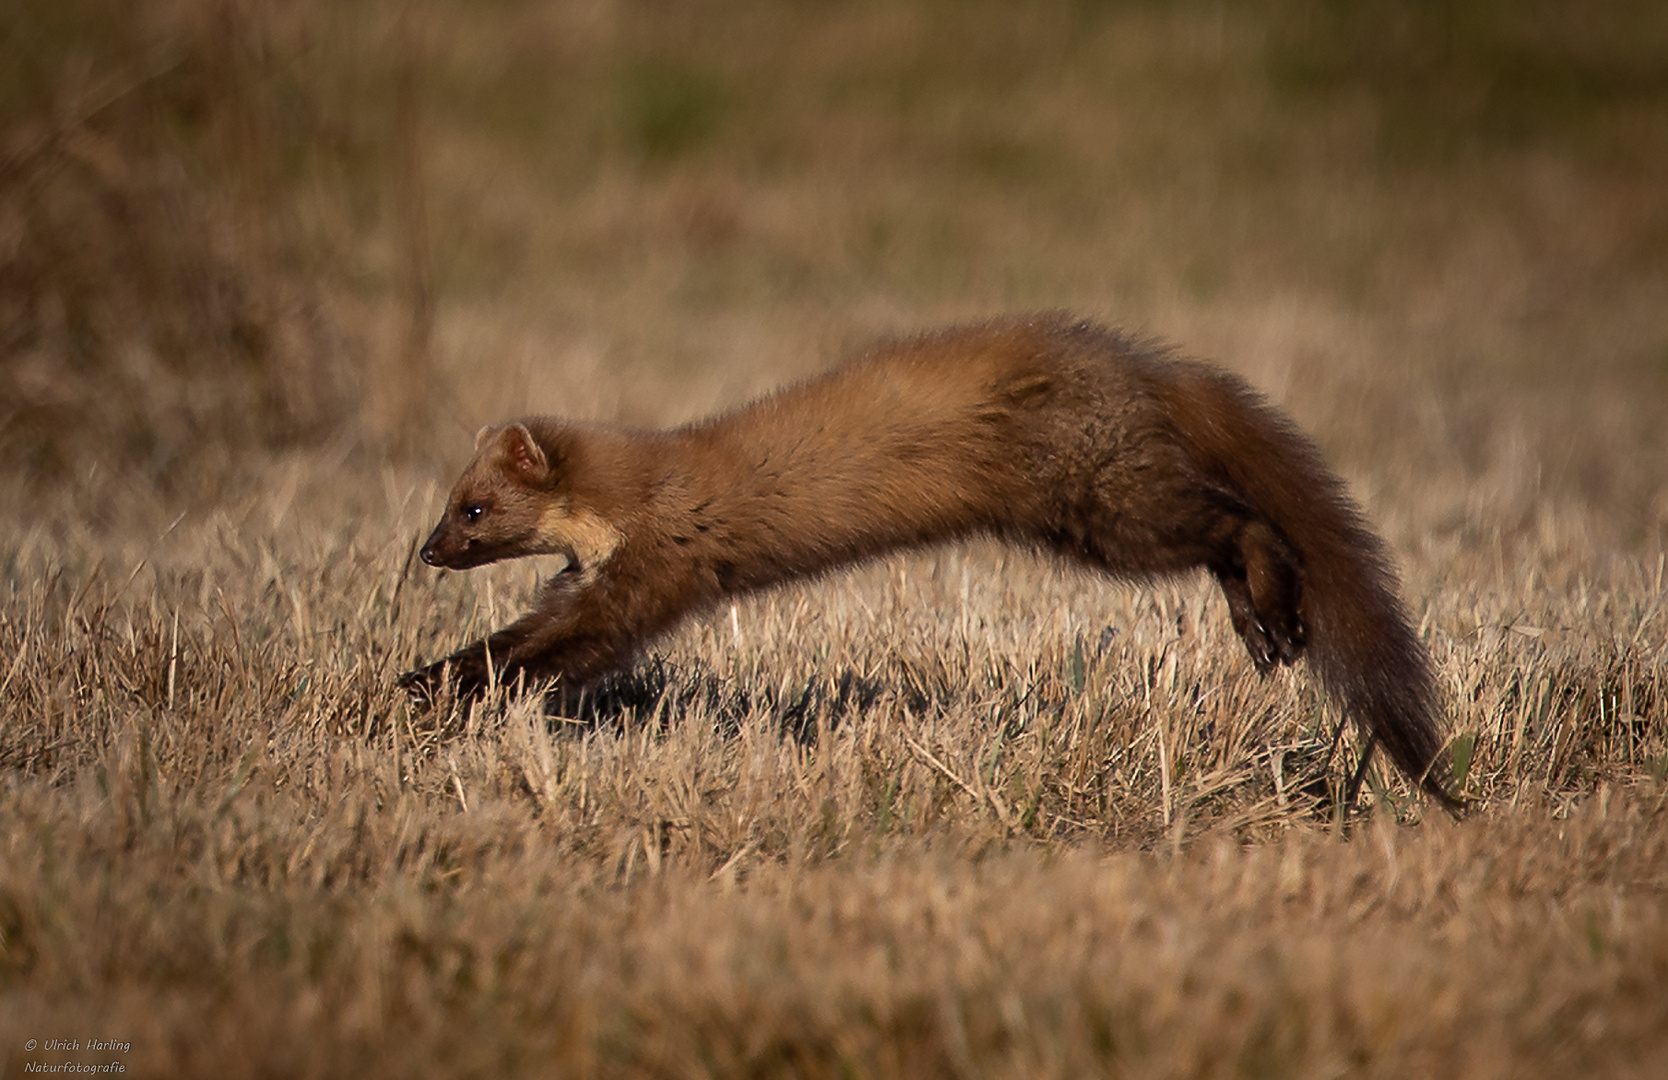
(1259, 644)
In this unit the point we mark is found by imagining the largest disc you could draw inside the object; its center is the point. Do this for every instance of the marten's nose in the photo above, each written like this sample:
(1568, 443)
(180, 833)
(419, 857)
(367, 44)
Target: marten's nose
(429, 555)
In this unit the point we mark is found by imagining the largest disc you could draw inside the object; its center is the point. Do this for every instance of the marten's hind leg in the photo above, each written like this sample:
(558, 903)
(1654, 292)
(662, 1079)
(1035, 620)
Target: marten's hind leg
(1263, 583)
(1156, 514)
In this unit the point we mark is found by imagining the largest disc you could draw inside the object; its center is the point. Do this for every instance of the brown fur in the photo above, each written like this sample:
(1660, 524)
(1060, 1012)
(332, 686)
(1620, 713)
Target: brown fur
(1044, 432)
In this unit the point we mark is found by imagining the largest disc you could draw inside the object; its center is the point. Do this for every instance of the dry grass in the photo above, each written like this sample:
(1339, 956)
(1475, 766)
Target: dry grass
(962, 813)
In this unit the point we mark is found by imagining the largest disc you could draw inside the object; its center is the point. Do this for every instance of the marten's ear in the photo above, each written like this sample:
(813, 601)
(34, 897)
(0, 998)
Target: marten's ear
(482, 436)
(522, 457)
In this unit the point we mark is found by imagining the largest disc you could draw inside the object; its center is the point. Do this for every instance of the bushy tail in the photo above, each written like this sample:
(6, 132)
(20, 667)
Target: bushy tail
(1359, 639)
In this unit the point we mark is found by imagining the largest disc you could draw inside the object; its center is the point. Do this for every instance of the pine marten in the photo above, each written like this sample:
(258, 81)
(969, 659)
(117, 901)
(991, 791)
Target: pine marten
(1047, 432)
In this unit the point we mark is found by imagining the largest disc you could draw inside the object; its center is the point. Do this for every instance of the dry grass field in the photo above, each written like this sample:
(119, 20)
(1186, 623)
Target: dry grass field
(264, 269)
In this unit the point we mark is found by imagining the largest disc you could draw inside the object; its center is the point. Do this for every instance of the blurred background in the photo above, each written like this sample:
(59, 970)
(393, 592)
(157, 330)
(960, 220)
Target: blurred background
(346, 234)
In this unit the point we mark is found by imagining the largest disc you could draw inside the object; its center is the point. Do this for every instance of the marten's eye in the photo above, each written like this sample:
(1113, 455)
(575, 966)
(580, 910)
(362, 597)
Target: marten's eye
(472, 513)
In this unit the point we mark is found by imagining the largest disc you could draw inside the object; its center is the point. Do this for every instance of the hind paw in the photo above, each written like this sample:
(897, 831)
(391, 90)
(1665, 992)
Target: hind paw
(1272, 645)
(1273, 635)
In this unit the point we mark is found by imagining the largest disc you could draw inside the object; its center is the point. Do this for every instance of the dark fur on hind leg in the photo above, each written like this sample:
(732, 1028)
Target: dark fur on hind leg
(1263, 584)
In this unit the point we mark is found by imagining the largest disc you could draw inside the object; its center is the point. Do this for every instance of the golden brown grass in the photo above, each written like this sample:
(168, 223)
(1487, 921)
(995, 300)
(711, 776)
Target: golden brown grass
(960, 813)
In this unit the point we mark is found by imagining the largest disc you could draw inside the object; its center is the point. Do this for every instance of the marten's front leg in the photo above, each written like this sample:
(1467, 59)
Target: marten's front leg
(575, 633)
(467, 670)
(1263, 583)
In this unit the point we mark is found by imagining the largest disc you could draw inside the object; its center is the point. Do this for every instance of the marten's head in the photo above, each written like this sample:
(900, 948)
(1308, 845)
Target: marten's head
(516, 499)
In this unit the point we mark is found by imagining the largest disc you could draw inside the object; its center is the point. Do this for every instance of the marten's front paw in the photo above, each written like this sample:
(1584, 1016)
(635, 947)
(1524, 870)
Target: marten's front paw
(426, 684)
